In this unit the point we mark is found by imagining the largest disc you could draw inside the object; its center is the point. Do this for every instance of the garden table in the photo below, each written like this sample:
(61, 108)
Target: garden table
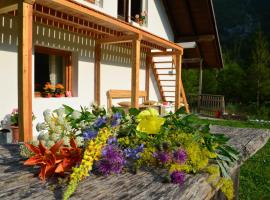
(18, 182)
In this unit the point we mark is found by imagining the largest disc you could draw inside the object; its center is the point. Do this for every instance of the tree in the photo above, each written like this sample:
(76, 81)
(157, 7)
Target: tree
(259, 71)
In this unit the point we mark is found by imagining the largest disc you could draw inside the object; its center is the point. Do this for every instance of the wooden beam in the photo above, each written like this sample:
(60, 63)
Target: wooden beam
(6, 3)
(97, 72)
(165, 53)
(196, 38)
(25, 12)
(118, 24)
(135, 73)
(192, 60)
(201, 77)
(8, 9)
(147, 75)
(178, 82)
(117, 39)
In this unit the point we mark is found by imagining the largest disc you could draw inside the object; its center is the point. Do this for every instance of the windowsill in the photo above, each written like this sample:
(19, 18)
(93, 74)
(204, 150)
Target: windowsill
(144, 26)
(38, 95)
(88, 4)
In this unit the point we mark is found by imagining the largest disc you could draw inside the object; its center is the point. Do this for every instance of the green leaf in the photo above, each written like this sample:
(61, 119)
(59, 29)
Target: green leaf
(68, 109)
(134, 111)
(223, 169)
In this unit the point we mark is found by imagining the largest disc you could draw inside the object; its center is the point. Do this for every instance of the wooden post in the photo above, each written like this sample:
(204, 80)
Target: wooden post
(135, 72)
(25, 17)
(147, 75)
(200, 86)
(97, 72)
(178, 80)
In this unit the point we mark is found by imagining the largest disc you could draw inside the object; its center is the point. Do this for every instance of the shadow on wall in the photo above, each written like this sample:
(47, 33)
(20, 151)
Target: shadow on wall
(64, 40)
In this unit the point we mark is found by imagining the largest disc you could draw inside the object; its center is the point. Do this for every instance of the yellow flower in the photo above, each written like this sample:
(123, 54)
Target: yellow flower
(149, 121)
(92, 153)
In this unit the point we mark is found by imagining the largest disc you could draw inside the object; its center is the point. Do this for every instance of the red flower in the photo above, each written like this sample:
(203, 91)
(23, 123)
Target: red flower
(72, 156)
(44, 157)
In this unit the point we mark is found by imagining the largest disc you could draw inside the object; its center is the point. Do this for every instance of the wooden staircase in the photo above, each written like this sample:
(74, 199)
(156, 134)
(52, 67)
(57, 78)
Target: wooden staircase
(165, 73)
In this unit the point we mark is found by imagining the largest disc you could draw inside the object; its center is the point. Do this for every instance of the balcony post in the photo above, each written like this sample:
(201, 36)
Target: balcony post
(25, 21)
(135, 72)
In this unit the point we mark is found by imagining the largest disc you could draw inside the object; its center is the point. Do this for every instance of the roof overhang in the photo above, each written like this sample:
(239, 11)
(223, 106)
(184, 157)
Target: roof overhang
(194, 21)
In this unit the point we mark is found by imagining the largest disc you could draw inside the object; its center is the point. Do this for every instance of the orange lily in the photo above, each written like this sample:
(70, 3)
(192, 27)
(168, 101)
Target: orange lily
(72, 156)
(44, 157)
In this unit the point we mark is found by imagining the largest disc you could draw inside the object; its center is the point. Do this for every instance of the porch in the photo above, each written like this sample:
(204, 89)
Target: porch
(103, 29)
(143, 185)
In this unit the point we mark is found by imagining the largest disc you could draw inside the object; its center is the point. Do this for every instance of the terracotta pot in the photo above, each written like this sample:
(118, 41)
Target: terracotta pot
(15, 134)
(47, 95)
(59, 95)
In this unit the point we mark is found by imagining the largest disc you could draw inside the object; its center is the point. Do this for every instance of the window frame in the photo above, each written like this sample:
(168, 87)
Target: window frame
(67, 55)
(127, 11)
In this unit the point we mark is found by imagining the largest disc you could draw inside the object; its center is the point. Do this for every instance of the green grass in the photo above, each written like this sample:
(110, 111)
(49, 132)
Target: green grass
(231, 123)
(255, 176)
(255, 173)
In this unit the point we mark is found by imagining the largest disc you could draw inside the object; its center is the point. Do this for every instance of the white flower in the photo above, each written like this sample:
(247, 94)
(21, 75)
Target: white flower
(54, 137)
(67, 127)
(47, 118)
(58, 129)
(60, 111)
(137, 16)
(66, 140)
(61, 120)
(76, 114)
(49, 143)
(43, 136)
(79, 141)
(46, 113)
(41, 126)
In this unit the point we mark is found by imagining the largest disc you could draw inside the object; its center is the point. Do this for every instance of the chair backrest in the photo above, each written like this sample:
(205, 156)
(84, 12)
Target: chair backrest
(122, 94)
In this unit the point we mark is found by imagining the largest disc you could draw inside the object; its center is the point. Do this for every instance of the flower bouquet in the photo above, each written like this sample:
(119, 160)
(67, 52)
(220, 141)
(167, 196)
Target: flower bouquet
(78, 143)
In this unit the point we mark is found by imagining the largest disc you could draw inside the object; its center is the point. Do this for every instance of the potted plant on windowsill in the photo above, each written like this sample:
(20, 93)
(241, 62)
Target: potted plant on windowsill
(48, 90)
(59, 90)
(141, 18)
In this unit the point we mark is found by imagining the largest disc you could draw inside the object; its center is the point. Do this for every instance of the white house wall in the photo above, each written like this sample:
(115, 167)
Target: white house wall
(157, 19)
(115, 68)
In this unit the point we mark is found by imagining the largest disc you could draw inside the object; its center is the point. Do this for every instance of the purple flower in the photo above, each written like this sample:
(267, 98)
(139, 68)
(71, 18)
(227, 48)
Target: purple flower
(100, 121)
(89, 134)
(116, 119)
(163, 156)
(112, 160)
(112, 141)
(180, 156)
(134, 153)
(178, 177)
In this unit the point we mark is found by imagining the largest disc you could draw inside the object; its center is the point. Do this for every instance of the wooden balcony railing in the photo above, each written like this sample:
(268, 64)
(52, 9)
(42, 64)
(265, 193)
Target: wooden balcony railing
(207, 104)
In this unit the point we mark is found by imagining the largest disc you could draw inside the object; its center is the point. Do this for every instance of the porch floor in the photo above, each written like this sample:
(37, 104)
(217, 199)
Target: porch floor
(18, 182)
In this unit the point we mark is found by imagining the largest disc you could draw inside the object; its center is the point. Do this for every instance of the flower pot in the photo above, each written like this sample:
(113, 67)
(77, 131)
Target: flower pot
(59, 95)
(47, 95)
(15, 134)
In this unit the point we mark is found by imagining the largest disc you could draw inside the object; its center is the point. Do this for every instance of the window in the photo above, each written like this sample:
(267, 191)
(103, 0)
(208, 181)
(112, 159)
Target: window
(97, 2)
(128, 9)
(136, 8)
(52, 66)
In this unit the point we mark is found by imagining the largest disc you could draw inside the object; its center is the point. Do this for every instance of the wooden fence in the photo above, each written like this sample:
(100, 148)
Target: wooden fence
(207, 104)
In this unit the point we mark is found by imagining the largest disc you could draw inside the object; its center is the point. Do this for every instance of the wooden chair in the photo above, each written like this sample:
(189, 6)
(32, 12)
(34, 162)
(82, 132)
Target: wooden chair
(122, 94)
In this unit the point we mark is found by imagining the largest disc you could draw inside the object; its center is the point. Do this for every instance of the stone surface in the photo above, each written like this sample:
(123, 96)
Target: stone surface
(19, 182)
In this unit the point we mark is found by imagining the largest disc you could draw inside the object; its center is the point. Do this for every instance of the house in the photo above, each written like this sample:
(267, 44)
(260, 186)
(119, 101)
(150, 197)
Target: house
(92, 46)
